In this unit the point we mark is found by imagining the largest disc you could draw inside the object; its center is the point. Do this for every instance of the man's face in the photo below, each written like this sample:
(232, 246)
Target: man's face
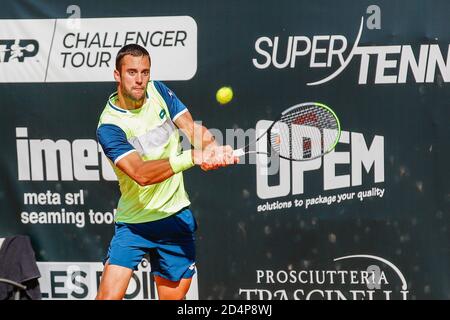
(133, 76)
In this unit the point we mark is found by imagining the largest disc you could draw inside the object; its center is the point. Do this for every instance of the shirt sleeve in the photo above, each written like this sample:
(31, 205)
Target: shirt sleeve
(114, 142)
(176, 107)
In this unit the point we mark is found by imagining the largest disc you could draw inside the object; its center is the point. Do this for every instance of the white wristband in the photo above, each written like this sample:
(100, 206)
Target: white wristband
(182, 161)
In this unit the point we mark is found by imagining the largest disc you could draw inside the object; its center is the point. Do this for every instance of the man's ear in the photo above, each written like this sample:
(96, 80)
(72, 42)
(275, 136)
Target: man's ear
(117, 75)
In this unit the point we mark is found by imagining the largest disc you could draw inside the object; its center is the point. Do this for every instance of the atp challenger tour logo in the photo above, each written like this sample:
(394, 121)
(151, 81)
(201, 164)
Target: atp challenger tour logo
(83, 49)
(17, 50)
(354, 277)
(393, 64)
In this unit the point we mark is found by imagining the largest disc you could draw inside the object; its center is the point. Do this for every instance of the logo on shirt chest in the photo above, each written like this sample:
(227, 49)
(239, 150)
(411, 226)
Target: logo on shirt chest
(162, 113)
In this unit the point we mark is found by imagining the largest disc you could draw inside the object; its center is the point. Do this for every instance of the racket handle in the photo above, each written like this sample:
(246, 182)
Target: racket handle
(238, 152)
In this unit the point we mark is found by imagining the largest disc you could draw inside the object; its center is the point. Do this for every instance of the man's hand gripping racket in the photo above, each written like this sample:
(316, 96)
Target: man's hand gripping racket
(214, 157)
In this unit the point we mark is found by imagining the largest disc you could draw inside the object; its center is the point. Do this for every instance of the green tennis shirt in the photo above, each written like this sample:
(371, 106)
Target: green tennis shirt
(150, 131)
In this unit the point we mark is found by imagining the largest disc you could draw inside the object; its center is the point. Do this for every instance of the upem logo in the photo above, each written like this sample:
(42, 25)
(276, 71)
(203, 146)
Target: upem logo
(17, 50)
(392, 64)
(363, 157)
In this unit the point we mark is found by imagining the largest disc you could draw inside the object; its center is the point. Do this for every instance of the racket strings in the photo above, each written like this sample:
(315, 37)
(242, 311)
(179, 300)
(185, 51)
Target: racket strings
(305, 132)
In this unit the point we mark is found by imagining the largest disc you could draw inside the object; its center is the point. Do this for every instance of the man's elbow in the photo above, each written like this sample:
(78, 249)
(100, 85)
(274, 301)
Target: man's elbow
(142, 181)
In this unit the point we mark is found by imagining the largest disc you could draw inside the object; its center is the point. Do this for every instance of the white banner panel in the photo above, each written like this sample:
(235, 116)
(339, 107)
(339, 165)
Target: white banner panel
(80, 281)
(63, 51)
(24, 49)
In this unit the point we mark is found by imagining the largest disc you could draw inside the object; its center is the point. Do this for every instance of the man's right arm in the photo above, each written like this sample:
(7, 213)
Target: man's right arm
(155, 171)
(119, 150)
(145, 172)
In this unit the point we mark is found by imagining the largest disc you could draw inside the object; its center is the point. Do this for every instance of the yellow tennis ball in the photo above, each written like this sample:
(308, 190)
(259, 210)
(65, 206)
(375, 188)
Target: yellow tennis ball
(224, 95)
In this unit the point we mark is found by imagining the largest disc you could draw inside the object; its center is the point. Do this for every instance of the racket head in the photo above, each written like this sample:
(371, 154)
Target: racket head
(305, 131)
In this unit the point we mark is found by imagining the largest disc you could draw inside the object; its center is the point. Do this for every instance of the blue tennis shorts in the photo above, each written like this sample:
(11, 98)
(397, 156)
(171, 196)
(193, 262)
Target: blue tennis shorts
(170, 242)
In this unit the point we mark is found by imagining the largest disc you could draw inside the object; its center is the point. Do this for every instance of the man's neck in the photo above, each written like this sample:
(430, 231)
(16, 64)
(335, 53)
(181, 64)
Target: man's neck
(127, 103)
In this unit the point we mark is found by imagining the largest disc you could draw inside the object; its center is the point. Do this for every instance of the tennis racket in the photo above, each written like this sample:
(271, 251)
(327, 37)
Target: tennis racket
(302, 132)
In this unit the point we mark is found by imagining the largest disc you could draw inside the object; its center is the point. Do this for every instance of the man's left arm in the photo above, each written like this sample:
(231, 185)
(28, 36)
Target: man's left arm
(201, 138)
(198, 135)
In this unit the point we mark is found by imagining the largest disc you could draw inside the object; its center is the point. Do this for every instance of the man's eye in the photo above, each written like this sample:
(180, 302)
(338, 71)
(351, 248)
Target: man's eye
(131, 73)
(145, 73)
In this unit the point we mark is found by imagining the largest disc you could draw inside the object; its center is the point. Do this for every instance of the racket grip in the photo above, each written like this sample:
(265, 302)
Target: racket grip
(238, 152)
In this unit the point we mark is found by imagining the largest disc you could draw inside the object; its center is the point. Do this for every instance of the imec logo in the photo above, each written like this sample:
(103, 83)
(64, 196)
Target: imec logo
(18, 50)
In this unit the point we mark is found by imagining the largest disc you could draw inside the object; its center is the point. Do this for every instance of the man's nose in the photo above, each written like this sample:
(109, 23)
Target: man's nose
(139, 78)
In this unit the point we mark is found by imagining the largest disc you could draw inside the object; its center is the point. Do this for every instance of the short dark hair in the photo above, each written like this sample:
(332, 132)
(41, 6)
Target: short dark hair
(133, 49)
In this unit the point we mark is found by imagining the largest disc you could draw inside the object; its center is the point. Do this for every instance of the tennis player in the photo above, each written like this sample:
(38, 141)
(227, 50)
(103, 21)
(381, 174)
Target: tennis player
(138, 133)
